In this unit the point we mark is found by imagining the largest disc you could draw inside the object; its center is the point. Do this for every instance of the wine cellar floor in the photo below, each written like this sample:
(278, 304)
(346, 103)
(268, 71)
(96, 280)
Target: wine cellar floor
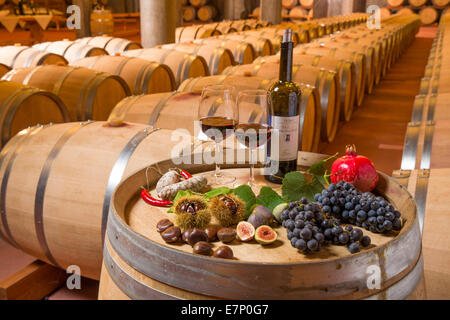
(377, 127)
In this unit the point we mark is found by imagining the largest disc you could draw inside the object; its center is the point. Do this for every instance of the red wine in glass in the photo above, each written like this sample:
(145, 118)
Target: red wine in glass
(217, 128)
(253, 135)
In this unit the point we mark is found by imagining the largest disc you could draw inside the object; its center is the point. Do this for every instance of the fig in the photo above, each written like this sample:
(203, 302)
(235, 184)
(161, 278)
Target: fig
(228, 209)
(265, 235)
(192, 212)
(245, 231)
(260, 216)
(278, 210)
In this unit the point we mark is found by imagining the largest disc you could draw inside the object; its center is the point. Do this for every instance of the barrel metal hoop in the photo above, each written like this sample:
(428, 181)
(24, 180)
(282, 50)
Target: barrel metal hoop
(432, 101)
(4, 153)
(31, 58)
(16, 56)
(154, 116)
(121, 109)
(137, 86)
(419, 104)
(20, 144)
(10, 111)
(410, 147)
(148, 73)
(420, 195)
(119, 44)
(133, 288)
(427, 146)
(214, 60)
(118, 170)
(67, 48)
(41, 187)
(27, 79)
(58, 85)
(82, 102)
(121, 65)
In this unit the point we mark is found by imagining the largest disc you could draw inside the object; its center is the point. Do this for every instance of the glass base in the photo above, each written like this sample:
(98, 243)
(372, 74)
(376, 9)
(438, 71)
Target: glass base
(221, 179)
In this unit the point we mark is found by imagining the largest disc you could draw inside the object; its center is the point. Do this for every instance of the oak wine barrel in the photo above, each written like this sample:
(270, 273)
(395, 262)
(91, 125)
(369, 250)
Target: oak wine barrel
(142, 76)
(139, 265)
(396, 3)
(183, 65)
(112, 45)
(71, 50)
(198, 3)
(345, 70)
(206, 13)
(190, 33)
(240, 25)
(243, 52)
(102, 22)
(358, 59)
(441, 3)
(256, 12)
(310, 102)
(298, 14)
(218, 58)
(405, 11)
(56, 167)
(262, 46)
(87, 94)
(325, 81)
(289, 4)
(225, 27)
(307, 3)
(385, 13)
(428, 15)
(24, 57)
(189, 13)
(24, 106)
(417, 3)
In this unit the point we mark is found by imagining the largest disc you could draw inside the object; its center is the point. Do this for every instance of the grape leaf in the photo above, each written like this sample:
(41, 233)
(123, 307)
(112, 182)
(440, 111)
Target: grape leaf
(180, 194)
(269, 198)
(245, 193)
(295, 187)
(319, 171)
(216, 192)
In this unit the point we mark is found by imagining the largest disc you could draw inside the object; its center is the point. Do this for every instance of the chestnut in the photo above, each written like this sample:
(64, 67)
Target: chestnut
(226, 235)
(203, 248)
(171, 235)
(224, 252)
(163, 225)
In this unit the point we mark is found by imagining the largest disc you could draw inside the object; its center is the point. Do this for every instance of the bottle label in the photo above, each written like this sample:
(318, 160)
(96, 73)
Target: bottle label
(287, 131)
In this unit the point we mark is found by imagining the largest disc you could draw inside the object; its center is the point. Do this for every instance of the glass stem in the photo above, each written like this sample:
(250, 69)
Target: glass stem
(252, 168)
(217, 173)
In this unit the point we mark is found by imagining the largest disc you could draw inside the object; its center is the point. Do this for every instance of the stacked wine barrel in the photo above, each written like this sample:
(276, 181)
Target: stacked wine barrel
(57, 165)
(428, 10)
(199, 9)
(425, 167)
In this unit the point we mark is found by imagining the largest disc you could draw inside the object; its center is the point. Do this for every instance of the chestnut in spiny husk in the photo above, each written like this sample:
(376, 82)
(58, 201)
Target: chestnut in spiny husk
(228, 209)
(192, 212)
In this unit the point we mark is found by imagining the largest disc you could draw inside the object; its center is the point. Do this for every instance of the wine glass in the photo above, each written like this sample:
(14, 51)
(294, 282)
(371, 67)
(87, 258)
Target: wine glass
(254, 132)
(218, 115)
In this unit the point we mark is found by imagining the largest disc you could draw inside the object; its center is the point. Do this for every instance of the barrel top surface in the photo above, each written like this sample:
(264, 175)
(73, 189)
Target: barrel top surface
(142, 218)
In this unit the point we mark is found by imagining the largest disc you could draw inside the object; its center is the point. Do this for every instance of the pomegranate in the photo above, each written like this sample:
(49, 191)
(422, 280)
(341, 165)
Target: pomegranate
(357, 170)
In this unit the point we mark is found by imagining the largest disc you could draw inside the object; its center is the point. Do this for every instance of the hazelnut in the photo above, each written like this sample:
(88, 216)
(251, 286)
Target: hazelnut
(163, 225)
(226, 235)
(203, 248)
(171, 235)
(224, 252)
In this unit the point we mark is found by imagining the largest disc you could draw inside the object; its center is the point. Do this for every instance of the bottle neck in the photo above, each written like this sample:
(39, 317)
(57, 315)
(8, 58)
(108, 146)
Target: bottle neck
(286, 61)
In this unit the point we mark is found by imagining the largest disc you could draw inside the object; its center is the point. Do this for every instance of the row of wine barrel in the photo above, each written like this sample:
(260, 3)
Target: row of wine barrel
(417, 3)
(44, 162)
(205, 13)
(289, 4)
(428, 14)
(425, 167)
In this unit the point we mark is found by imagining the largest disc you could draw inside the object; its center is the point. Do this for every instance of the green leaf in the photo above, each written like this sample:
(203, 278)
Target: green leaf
(217, 192)
(319, 171)
(269, 198)
(295, 186)
(245, 193)
(180, 194)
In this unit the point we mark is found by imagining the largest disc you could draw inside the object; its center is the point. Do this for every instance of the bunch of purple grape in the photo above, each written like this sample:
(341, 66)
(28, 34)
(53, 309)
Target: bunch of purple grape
(309, 229)
(343, 201)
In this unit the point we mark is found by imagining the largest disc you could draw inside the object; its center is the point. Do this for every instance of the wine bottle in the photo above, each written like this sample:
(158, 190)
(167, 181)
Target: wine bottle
(285, 94)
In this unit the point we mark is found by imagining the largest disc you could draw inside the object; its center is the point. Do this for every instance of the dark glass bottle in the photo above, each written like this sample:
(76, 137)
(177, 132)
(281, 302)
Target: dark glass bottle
(282, 152)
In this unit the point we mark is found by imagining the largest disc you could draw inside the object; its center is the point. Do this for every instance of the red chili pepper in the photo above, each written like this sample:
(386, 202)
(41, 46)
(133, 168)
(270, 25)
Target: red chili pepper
(154, 202)
(185, 174)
